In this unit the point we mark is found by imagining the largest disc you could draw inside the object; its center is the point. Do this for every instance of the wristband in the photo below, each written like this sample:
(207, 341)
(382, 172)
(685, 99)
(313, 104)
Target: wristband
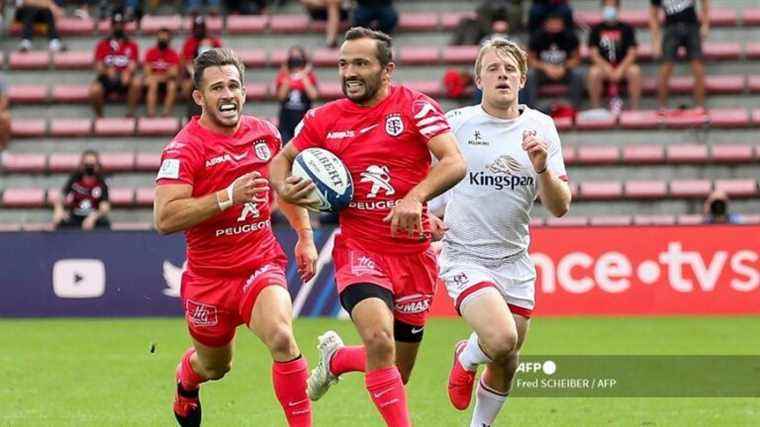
(223, 206)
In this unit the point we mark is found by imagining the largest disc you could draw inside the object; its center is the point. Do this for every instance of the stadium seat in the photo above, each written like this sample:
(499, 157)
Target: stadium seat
(638, 18)
(537, 222)
(729, 118)
(73, 60)
(601, 190)
(419, 55)
(117, 162)
(121, 197)
(330, 90)
(583, 122)
(644, 52)
(753, 83)
(28, 128)
(685, 119)
(257, 91)
(725, 84)
(24, 94)
(52, 195)
(654, 219)
(460, 54)
(418, 21)
(214, 24)
(569, 154)
(752, 50)
(10, 226)
(737, 187)
(37, 226)
(289, 24)
(646, 189)
(690, 219)
(63, 162)
(131, 226)
(601, 154)
(23, 162)
(431, 88)
(717, 51)
(71, 26)
(610, 220)
(687, 153)
(144, 196)
(643, 154)
(115, 126)
(756, 117)
(150, 24)
(563, 123)
(157, 126)
(32, 60)
(70, 127)
(750, 218)
(731, 153)
(450, 20)
(70, 93)
(690, 188)
(104, 27)
(253, 58)
(147, 162)
(642, 119)
(325, 57)
(587, 17)
(567, 221)
(723, 17)
(751, 16)
(247, 24)
(27, 197)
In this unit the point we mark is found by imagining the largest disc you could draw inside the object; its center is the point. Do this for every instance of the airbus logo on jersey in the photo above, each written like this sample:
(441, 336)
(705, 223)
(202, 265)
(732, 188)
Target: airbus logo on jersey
(417, 303)
(341, 134)
(477, 139)
(226, 157)
(503, 175)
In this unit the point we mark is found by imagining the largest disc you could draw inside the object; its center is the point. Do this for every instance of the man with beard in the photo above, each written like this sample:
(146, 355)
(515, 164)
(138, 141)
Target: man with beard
(213, 184)
(385, 269)
(84, 199)
(115, 64)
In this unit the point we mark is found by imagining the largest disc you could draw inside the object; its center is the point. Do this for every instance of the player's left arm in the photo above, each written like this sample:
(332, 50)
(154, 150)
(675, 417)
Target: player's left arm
(305, 250)
(552, 188)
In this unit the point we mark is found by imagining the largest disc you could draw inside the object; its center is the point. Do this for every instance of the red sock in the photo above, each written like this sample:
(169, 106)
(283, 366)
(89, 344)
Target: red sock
(189, 379)
(289, 379)
(349, 359)
(387, 391)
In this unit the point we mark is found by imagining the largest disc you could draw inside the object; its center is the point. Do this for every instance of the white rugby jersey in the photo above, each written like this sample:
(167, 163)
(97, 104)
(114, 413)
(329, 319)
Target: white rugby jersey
(488, 212)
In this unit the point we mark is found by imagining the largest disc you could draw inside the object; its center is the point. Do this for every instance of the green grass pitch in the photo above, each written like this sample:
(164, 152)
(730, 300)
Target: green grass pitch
(79, 372)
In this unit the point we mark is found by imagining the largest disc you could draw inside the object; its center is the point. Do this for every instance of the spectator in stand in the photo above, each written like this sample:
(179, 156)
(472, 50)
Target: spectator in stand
(116, 59)
(382, 12)
(5, 116)
(296, 90)
(493, 18)
(193, 7)
(30, 12)
(682, 28)
(540, 10)
(554, 56)
(160, 71)
(717, 209)
(332, 11)
(198, 42)
(613, 47)
(83, 203)
(245, 7)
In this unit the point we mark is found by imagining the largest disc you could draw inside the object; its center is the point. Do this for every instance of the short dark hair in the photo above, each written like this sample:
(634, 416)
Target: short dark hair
(216, 57)
(383, 42)
(90, 152)
(164, 30)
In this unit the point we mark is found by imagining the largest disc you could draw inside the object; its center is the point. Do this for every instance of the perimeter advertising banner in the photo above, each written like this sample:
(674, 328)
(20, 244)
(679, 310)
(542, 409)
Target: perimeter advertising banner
(581, 271)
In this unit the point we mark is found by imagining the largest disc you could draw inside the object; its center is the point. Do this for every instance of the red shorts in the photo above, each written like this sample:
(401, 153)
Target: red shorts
(411, 278)
(216, 306)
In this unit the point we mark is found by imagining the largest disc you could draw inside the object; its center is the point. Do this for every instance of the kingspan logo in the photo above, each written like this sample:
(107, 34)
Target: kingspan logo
(502, 174)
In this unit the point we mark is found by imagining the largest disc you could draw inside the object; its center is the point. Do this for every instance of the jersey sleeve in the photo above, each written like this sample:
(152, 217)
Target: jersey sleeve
(179, 164)
(101, 50)
(306, 133)
(554, 161)
(276, 134)
(104, 188)
(428, 119)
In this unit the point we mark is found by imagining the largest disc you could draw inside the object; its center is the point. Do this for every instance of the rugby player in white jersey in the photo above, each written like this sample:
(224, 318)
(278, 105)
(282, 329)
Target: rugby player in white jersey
(514, 156)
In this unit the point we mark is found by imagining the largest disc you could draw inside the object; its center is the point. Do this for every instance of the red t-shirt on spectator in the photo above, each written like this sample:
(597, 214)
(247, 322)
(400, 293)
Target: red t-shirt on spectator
(117, 53)
(190, 48)
(295, 84)
(161, 60)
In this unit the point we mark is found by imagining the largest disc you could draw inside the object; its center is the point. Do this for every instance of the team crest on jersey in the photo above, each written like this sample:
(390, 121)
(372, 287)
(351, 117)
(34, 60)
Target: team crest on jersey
(380, 178)
(262, 150)
(505, 165)
(394, 125)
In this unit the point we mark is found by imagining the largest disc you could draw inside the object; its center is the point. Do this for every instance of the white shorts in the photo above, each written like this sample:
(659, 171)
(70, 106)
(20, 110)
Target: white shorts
(514, 279)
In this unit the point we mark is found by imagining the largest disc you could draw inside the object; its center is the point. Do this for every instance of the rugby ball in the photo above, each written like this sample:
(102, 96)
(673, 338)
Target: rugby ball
(333, 185)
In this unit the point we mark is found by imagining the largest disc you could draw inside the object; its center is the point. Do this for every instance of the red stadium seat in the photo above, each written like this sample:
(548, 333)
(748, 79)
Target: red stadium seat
(247, 24)
(117, 162)
(32, 60)
(325, 57)
(115, 126)
(150, 24)
(418, 21)
(751, 16)
(593, 154)
(104, 27)
(70, 127)
(690, 188)
(32, 163)
(642, 119)
(690, 219)
(431, 88)
(731, 153)
(63, 162)
(131, 226)
(638, 18)
(157, 126)
(253, 58)
(10, 226)
(681, 119)
(567, 221)
(28, 197)
(646, 189)
(753, 83)
(563, 123)
(610, 220)
(289, 24)
(601, 190)
(722, 50)
(53, 195)
(654, 219)
(643, 154)
(27, 94)
(28, 128)
(37, 226)
(644, 52)
(569, 154)
(725, 84)
(214, 24)
(73, 60)
(121, 197)
(330, 90)
(70, 26)
(729, 118)
(148, 162)
(723, 17)
(750, 219)
(450, 20)
(419, 55)
(737, 187)
(587, 17)
(460, 54)
(756, 117)
(71, 93)
(536, 222)
(257, 91)
(752, 50)
(583, 122)
(687, 153)
(144, 196)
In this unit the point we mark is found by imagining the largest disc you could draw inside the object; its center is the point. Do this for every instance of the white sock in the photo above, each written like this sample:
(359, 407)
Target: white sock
(488, 403)
(473, 355)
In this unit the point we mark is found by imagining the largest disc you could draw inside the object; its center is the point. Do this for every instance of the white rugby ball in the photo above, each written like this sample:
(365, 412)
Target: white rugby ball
(333, 185)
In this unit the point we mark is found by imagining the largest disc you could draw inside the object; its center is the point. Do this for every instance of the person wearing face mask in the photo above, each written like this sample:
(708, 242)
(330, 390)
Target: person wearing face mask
(613, 50)
(716, 209)
(160, 69)
(296, 86)
(116, 59)
(83, 203)
(198, 42)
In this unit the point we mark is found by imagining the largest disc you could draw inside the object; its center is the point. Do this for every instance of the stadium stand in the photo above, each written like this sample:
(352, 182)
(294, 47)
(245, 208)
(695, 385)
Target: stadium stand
(639, 168)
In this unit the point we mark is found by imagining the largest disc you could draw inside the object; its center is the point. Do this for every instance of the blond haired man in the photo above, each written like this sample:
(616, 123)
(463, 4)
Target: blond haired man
(514, 155)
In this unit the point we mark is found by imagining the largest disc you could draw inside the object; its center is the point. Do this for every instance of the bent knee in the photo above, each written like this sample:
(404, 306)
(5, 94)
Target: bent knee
(217, 372)
(379, 342)
(502, 345)
(280, 339)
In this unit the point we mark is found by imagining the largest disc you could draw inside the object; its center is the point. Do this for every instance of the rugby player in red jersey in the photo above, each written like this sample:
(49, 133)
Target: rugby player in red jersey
(385, 269)
(213, 185)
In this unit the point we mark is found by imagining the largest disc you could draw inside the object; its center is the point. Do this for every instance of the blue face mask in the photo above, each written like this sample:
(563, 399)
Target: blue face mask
(610, 14)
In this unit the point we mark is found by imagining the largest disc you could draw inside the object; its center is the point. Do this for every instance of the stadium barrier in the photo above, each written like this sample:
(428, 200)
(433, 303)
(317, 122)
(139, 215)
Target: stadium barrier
(581, 271)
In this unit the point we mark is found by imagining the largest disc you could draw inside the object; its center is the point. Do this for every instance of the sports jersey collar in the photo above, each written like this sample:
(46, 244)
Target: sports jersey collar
(211, 136)
(352, 106)
(521, 107)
